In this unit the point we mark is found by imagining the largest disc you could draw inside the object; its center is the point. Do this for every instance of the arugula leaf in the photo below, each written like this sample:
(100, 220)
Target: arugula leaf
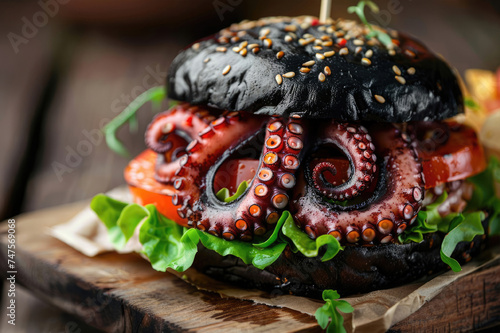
(223, 194)
(155, 95)
(330, 311)
(307, 246)
(465, 228)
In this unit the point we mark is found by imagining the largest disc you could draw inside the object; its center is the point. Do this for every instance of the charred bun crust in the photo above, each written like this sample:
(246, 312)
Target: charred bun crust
(244, 67)
(357, 269)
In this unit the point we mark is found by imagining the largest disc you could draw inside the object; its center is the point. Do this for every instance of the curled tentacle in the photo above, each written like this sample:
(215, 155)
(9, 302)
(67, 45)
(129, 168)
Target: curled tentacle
(260, 207)
(394, 206)
(206, 140)
(357, 145)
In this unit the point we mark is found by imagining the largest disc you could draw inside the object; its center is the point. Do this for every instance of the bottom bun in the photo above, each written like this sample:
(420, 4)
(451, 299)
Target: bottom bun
(356, 269)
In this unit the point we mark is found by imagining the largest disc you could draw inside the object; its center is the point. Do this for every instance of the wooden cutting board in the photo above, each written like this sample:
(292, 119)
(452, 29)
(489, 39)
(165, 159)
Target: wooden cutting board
(122, 293)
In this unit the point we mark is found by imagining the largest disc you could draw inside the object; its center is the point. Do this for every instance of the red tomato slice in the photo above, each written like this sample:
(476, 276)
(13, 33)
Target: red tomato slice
(460, 157)
(139, 174)
(233, 172)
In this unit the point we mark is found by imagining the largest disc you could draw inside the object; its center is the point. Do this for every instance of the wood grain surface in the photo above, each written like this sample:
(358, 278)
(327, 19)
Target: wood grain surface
(122, 293)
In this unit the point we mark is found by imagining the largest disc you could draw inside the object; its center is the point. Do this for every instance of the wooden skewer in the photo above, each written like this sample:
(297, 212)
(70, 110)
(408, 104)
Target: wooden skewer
(326, 8)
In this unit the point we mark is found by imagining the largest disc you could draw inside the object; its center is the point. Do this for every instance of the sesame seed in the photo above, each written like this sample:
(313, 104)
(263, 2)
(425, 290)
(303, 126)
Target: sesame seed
(226, 69)
(318, 41)
(256, 50)
(206, 60)
(359, 49)
(400, 79)
(251, 46)
(320, 56)
(344, 51)
(330, 30)
(288, 38)
(304, 70)
(235, 39)
(307, 36)
(366, 61)
(392, 52)
(220, 49)
(264, 32)
(236, 49)
(339, 33)
(243, 52)
(368, 54)
(317, 47)
(196, 46)
(325, 38)
(411, 70)
(279, 79)
(291, 27)
(329, 53)
(357, 42)
(289, 75)
(243, 44)
(327, 43)
(410, 53)
(304, 42)
(396, 70)
(321, 77)
(322, 28)
(309, 63)
(379, 99)
(242, 33)
(223, 40)
(280, 54)
(327, 70)
(268, 43)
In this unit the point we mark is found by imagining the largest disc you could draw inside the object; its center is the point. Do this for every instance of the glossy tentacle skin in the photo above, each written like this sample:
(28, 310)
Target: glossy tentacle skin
(394, 206)
(357, 145)
(261, 205)
(192, 144)
(209, 140)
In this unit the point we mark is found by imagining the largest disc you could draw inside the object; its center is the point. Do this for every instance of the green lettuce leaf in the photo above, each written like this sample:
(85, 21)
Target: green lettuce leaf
(427, 222)
(167, 244)
(109, 210)
(223, 194)
(484, 196)
(307, 246)
(463, 228)
(329, 316)
(274, 236)
(258, 257)
(163, 244)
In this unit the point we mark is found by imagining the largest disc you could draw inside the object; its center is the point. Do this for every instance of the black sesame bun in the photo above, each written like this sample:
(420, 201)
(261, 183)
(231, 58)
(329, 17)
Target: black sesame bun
(285, 66)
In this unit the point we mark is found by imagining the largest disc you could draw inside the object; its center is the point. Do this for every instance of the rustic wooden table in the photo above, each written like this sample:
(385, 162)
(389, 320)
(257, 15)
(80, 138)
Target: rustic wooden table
(66, 80)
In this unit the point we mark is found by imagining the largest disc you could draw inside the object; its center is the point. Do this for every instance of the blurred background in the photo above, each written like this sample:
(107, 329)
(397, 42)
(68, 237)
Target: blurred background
(69, 66)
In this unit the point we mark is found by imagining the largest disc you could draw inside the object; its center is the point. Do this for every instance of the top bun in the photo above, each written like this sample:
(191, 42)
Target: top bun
(297, 67)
